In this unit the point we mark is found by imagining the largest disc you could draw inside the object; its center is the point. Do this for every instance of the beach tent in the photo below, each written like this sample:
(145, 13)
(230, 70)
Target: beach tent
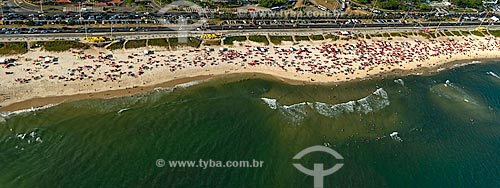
(344, 32)
(2, 60)
(47, 59)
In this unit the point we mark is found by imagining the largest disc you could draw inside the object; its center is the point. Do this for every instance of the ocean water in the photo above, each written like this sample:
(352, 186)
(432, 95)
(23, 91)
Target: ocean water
(448, 126)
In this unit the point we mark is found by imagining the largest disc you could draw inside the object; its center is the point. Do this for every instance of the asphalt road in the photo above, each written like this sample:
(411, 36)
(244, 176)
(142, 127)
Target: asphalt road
(218, 28)
(19, 6)
(170, 33)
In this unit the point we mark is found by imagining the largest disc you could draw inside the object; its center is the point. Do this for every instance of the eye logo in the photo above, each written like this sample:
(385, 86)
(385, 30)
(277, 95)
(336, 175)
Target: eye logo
(318, 172)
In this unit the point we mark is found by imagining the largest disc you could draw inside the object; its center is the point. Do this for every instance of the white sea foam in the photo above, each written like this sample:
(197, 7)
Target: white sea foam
(296, 111)
(456, 66)
(187, 84)
(5, 115)
(23, 140)
(467, 63)
(399, 81)
(123, 110)
(272, 103)
(158, 89)
(493, 74)
(373, 102)
(395, 136)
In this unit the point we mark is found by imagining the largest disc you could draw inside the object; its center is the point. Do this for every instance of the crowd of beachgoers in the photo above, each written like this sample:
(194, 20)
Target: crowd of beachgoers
(326, 61)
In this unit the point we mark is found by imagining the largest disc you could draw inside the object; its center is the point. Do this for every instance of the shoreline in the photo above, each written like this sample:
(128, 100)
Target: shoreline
(41, 102)
(39, 78)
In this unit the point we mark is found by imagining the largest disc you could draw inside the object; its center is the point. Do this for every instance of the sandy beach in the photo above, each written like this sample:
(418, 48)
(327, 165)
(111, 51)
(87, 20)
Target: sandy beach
(39, 78)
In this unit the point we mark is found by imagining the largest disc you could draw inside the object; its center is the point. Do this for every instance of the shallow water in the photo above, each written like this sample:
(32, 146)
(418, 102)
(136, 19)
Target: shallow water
(450, 134)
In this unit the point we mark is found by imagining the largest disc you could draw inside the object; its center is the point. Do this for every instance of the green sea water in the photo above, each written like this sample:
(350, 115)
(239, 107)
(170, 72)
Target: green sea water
(448, 126)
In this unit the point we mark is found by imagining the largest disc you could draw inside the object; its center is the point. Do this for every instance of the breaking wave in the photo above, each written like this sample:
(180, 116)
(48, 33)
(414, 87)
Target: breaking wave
(272, 103)
(493, 74)
(5, 115)
(123, 110)
(373, 102)
(187, 84)
(399, 81)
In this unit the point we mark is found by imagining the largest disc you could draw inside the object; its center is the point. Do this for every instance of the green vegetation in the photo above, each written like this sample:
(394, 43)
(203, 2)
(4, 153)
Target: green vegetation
(63, 45)
(405, 34)
(456, 33)
(271, 3)
(259, 38)
(467, 3)
(424, 35)
(434, 34)
(158, 42)
(174, 43)
(135, 44)
(36, 44)
(333, 37)
(465, 33)
(116, 46)
(477, 33)
(391, 4)
(495, 33)
(395, 34)
(278, 39)
(316, 37)
(193, 42)
(301, 38)
(423, 7)
(386, 4)
(448, 33)
(211, 42)
(420, 5)
(230, 40)
(9, 48)
(190, 42)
